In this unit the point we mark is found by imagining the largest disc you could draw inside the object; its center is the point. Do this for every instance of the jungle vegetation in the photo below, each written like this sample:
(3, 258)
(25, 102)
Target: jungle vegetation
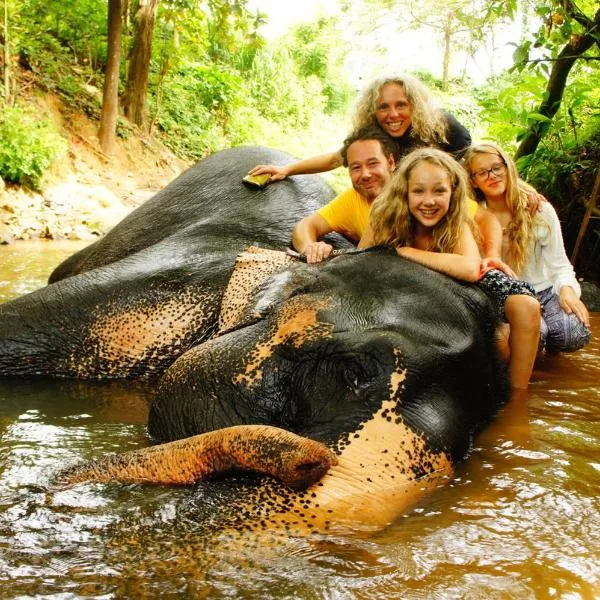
(199, 76)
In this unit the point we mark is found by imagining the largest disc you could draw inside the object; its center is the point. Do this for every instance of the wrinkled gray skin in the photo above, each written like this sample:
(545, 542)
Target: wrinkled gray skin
(134, 301)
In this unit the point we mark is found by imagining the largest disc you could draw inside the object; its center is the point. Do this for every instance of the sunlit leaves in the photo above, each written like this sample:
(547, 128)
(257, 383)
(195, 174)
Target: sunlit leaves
(28, 146)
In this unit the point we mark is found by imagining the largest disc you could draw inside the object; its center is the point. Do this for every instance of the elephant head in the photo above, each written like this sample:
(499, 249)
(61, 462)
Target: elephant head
(388, 365)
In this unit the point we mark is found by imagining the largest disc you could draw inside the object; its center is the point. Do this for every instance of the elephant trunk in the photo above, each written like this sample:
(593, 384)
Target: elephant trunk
(296, 461)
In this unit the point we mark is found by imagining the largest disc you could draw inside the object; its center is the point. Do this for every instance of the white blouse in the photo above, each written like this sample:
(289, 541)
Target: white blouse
(546, 264)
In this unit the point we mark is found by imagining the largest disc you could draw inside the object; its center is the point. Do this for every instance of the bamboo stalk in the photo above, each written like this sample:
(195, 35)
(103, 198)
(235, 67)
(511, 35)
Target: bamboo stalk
(586, 218)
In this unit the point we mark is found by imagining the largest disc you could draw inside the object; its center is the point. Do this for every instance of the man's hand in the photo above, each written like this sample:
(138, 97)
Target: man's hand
(571, 304)
(495, 263)
(276, 173)
(316, 252)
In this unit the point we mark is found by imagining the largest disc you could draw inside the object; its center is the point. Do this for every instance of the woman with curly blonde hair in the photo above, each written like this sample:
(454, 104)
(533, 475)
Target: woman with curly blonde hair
(417, 114)
(533, 246)
(404, 109)
(423, 214)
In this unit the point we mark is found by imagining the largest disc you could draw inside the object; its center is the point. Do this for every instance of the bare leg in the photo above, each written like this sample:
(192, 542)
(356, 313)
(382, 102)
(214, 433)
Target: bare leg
(502, 344)
(523, 315)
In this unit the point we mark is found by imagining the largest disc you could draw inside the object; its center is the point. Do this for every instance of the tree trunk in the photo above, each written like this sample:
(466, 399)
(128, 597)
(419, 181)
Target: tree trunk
(6, 56)
(447, 52)
(139, 62)
(556, 86)
(110, 98)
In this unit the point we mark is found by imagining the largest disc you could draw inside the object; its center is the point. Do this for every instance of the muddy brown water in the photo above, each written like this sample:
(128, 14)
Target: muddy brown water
(520, 519)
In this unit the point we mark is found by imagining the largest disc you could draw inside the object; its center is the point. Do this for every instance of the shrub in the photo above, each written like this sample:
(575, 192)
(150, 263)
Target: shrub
(28, 146)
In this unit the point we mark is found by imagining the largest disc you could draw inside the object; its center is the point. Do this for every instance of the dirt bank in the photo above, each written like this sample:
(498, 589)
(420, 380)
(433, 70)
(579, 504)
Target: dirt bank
(86, 192)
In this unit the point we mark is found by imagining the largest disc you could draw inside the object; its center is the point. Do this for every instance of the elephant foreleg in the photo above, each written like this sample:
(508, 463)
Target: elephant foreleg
(296, 461)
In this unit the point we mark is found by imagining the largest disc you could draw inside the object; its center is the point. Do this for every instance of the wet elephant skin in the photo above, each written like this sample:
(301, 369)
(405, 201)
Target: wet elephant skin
(129, 304)
(318, 349)
(390, 365)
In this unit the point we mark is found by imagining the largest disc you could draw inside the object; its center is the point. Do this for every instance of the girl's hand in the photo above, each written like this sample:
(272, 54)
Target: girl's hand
(276, 173)
(495, 263)
(534, 201)
(571, 304)
(405, 251)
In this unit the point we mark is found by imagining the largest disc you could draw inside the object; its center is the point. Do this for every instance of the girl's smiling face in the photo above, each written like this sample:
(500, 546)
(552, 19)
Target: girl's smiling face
(429, 194)
(488, 173)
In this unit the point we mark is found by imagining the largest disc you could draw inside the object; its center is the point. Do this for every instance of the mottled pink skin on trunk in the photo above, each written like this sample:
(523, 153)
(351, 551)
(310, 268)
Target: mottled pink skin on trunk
(296, 461)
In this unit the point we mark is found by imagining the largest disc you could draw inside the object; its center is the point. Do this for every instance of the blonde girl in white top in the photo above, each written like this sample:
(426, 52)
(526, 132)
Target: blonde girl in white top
(533, 246)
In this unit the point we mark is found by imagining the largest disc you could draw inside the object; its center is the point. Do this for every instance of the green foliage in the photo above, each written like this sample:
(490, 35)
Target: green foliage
(204, 106)
(430, 80)
(214, 88)
(567, 153)
(565, 174)
(28, 146)
(79, 27)
(461, 103)
(214, 81)
(56, 64)
(506, 103)
(319, 51)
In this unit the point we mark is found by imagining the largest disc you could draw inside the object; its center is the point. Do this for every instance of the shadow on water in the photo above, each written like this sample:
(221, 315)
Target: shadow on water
(519, 520)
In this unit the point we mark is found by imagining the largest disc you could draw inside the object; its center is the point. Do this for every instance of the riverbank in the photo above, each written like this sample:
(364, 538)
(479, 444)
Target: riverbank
(86, 192)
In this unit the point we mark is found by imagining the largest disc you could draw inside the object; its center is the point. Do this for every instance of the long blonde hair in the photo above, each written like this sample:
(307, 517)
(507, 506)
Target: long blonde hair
(428, 122)
(520, 228)
(390, 220)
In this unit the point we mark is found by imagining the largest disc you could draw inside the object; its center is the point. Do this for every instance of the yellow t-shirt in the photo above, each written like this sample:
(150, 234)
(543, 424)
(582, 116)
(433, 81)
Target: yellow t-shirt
(347, 214)
(472, 207)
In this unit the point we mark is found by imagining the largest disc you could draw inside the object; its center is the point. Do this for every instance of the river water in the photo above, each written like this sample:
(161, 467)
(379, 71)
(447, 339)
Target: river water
(521, 518)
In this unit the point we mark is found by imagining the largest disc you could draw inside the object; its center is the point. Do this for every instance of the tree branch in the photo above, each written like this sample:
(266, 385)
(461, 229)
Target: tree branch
(572, 51)
(541, 60)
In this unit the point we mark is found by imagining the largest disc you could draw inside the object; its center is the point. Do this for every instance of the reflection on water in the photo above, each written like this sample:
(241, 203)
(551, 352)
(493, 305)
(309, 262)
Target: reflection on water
(520, 520)
(25, 266)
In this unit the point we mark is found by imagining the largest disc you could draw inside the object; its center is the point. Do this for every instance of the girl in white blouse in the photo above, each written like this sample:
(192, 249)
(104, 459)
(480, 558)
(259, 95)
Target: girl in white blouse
(532, 246)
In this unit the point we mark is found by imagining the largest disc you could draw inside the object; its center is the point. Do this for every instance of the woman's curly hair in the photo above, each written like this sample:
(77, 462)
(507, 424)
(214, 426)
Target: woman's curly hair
(390, 220)
(520, 229)
(428, 122)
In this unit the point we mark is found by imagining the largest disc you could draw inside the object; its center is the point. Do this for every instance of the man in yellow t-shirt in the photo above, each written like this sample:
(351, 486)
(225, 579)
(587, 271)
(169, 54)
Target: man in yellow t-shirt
(369, 156)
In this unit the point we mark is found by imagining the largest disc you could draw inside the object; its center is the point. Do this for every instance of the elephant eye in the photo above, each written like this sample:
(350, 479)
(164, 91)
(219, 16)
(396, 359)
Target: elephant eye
(351, 381)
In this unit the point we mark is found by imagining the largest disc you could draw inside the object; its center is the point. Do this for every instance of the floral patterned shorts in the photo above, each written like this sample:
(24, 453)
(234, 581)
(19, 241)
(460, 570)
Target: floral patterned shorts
(498, 286)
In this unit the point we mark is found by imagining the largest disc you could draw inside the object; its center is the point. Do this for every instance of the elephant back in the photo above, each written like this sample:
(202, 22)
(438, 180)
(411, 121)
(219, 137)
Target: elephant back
(211, 206)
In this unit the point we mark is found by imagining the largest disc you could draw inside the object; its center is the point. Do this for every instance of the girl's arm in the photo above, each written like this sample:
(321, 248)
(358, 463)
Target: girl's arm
(564, 281)
(490, 233)
(315, 164)
(366, 241)
(462, 264)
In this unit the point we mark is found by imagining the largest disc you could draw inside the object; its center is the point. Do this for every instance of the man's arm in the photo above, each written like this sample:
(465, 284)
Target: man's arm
(306, 236)
(366, 241)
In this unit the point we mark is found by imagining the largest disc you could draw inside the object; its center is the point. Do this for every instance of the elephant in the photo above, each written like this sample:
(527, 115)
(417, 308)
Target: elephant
(348, 388)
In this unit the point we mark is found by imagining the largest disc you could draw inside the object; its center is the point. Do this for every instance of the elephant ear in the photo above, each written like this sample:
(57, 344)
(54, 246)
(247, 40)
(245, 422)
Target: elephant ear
(260, 280)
